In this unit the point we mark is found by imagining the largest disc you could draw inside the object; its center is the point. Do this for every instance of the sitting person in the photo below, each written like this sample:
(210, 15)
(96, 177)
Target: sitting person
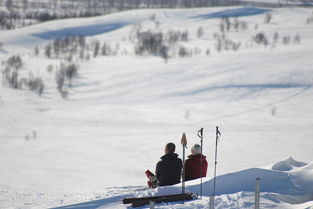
(168, 170)
(193, 164)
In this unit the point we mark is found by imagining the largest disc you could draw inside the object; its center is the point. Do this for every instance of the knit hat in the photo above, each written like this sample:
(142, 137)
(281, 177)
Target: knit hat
(196, 149)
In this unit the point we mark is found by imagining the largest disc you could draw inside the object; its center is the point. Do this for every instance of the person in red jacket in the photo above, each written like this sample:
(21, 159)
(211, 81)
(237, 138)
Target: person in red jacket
(193, 164)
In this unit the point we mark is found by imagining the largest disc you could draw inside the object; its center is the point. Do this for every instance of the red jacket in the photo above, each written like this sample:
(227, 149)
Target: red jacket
(193, 165)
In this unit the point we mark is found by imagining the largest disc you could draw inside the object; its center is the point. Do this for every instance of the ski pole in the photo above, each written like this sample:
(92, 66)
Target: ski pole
(184, 143)
(200, 135)
(218, 134)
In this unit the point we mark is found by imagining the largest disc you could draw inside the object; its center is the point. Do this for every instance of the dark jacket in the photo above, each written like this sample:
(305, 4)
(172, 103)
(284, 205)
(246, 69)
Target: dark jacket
(168, 170)
(193, 167)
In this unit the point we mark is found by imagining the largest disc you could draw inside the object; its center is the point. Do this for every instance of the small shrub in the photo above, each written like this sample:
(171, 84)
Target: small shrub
(49, 68)
(48, 49)
(286, 40)
(15, 61)
(208, 52)
(10, 77)
(227, 23)
(70, 72)
(268, 17)
(309, 20)
(36, 51)
(223, 43)
(60, 81)
(153, 17)
(239, 25)
(297, 39)
(10, 74)
(260, 38)
(106, 49)
(96, 48)
(276, 37)
(183, 52)
(66, 73)
(164, 53)
(200, 32)
(36, 84)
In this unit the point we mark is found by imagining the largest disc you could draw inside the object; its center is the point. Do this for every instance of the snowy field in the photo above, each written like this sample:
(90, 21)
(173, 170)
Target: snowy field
(121, 110)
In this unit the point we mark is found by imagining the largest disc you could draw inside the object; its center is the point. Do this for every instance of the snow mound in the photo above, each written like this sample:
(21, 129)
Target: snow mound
(279, 189)
(272, 181)
(287, 165)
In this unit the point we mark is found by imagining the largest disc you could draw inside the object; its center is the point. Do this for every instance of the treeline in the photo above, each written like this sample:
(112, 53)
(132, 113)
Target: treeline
(141, 41)
(166, 44)
(223, 42)
(19, 13)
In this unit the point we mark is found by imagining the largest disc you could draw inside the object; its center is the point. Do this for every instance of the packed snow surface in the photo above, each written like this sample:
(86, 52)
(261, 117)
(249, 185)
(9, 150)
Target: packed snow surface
(92, 148)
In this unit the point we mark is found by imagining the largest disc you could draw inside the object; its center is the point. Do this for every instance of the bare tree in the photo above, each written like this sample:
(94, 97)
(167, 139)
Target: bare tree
(200, 32)
(268, 17)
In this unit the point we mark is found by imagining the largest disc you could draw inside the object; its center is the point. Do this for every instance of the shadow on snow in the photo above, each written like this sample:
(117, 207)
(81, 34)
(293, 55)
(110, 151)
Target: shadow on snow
(271, 181)
(88, 30)
(240, 12)
(254, 87)
(95, 203)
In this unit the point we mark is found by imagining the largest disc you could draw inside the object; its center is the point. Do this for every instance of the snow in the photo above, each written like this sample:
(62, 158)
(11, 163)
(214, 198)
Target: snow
(234, 190)
(287, 165)
(92, 148)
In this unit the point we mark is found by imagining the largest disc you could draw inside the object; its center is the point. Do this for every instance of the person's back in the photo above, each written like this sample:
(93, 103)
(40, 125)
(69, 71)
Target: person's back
(168, 170)
(193, 164)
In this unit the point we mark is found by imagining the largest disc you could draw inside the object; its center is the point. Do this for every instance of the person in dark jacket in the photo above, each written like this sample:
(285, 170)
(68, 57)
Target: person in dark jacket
(193, 164)
(168, 170)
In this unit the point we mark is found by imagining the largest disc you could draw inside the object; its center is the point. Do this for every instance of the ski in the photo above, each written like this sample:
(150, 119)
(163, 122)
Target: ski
(141, 201)
(134, 199)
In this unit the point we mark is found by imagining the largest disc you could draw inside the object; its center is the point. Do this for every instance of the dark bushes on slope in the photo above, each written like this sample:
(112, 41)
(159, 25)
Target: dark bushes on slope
(11, 76)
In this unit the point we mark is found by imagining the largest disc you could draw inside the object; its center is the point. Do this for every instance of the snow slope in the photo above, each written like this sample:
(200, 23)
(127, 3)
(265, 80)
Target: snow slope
(122, 110)
(279, 189)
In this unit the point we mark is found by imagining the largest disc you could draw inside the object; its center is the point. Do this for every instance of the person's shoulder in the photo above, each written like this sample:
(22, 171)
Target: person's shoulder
(188, 161)
(159, 164)
(179, 159)
(160, 161)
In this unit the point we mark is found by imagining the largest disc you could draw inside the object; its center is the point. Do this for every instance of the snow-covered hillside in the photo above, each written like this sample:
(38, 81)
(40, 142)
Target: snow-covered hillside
(121, 109)
(279, 189)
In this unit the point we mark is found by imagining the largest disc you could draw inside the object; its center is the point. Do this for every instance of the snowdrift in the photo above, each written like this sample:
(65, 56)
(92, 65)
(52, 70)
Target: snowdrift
(279, 189)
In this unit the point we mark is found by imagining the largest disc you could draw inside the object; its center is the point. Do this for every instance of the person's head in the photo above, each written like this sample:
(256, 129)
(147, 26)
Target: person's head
(170, 148)
(196, 149)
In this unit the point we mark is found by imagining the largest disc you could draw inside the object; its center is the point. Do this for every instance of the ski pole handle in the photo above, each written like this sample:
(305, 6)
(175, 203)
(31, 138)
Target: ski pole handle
(200, 133)
(184, 140)
(218, 133)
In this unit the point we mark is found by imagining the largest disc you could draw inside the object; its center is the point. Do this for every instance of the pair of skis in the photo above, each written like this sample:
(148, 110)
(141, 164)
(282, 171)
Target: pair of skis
(142, 201)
